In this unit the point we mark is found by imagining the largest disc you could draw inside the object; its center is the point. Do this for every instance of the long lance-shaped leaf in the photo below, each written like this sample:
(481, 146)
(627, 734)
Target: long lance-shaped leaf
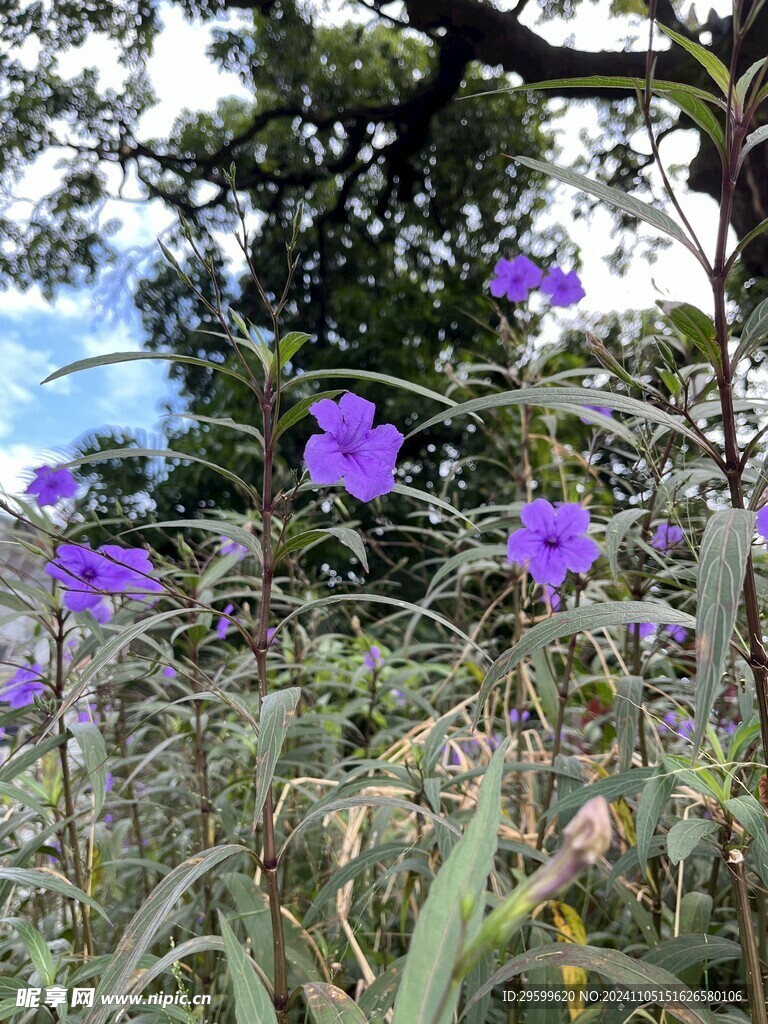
(45, 878)
(329, 1005)
(615, 613)
(302, 541)
(393, 602)
(714, 67)
(614, 197)
(158, 453)
(653, 800)
(130, 357)
(221, 527)
(104, 656)
(139, 933)
(452, 913)
(252, 1002)
(725, 548)
(615, 967)
(277, 710)
(378, 378)
(554, 398)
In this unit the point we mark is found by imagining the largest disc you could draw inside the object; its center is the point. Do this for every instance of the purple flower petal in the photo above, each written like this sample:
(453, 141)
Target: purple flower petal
(352, 450)
(563, 289)
(762, 521)
(51, 484)
(552, 541)
(666, 536)
(22, 688)
(515, 278)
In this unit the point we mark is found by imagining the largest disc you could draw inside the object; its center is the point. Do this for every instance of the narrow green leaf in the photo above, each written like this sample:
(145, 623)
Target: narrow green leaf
(628, 704)
(129, 357)
(445, 924)
(553, 398)
(350, 871)
(277, 711)
(297, 412)
(714, 67)
(309, 538)
(481, 553)
(149, 918)
(378, 378)
(696, 325)
(94, 752)
(221, 527)
(615, 531)
(613, 613)
(750, 812)
(746, 80)
(329, 1005)
(44, 878)
(103, 657)
(612, 196)
(742, 244)
(685, 836)
(291, 344)
(157, 453)
(252, 1001)
(755, 138)
(612, 965)
(430, 499)
(699, 112)
(37, 947)
(660, 87)
(611, 787)
(675, 955)
(23, 759)
(393, 602)
(725, 548)
(755, 330)
(653, 800)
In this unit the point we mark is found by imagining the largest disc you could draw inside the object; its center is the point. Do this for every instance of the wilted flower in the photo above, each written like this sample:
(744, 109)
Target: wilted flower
(352, 450)
(51, 484)
(666, 536)
(222, 626)
(563, 289)
(22, 688)
(515, 278)
(552, 541)
(585, 839)
(231, 547)
(602, 409)
(85, 574)
(372, 658)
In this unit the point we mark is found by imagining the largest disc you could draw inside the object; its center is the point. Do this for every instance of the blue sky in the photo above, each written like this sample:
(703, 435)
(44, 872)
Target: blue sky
(36, 338)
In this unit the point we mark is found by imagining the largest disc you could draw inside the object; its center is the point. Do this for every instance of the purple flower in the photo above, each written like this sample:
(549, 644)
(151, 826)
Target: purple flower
(271, 634)
(372, 658)
(642, 629)
(102, 612)
(351, 449)
(169, 672)
(222, 626)
(516, 716)
(89, 715)
(678, 633)
(22, 688)
(231, 547)
(399, 697)
(762, 521)
(515, 278)
(666, 536)
(552, 596)
(552, 541)
(50, 484)
(674, 721)
(563, 289)
(109, 782)
(602, 409)
(86, 573)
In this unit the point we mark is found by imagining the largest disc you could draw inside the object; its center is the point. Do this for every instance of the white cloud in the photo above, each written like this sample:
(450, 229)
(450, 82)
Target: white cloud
(15, 462)
(23, 369)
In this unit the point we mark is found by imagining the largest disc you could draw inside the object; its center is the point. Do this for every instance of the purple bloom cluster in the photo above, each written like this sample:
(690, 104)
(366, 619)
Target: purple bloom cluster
(552, 541)
(515, 278)
(50, 484)
(87, 575)
(22, 688)
(352, 450)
